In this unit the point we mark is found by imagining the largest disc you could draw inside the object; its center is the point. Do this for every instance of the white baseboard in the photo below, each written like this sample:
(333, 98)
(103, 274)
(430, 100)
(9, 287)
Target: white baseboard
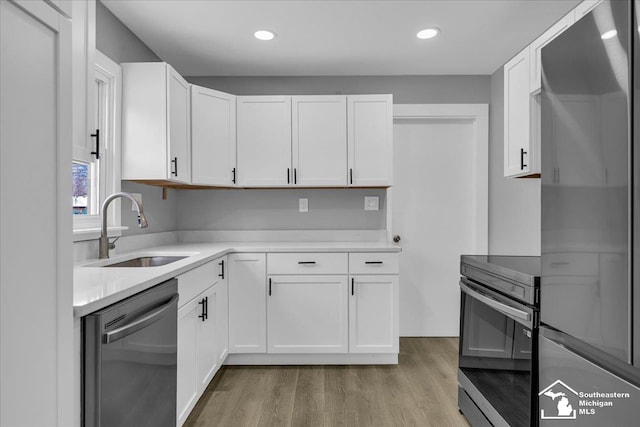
(312, 359)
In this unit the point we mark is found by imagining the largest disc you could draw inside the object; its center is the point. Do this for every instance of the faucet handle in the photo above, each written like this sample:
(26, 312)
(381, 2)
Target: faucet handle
(112, 243)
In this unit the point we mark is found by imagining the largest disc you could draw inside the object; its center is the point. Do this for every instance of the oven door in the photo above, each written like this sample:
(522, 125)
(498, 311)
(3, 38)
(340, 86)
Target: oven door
(498, 337)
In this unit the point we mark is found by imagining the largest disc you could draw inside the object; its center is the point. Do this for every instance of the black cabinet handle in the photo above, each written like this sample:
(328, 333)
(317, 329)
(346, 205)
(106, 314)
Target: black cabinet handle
(288, 176)
(222, 265)
(203, 302)
(269, 286)
(522, 153)
(350, 176)
(234, 175)
(373, 262)
(97, 137)
(306, 262)
(295, 175)
(175, 166)
(352, 286)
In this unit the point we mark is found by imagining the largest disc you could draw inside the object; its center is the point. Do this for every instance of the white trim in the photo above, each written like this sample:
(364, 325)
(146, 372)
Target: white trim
(479, 114)
(111, 73)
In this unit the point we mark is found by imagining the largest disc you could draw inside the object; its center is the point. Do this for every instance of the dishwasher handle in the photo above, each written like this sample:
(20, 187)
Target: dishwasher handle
(140, 323)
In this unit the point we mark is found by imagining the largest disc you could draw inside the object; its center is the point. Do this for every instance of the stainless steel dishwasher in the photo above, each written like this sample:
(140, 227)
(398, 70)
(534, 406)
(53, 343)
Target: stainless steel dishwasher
(130, 359)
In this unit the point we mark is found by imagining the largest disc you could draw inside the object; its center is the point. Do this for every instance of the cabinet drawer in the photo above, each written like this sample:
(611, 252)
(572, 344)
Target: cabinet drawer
(307, 263)
(194, 282)
(373, 263)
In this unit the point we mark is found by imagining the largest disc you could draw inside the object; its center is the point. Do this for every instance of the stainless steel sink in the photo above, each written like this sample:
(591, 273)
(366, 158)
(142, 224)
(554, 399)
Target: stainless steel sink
(147, 261)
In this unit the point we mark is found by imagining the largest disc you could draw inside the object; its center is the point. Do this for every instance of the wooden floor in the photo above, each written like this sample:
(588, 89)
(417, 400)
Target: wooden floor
(420, 391)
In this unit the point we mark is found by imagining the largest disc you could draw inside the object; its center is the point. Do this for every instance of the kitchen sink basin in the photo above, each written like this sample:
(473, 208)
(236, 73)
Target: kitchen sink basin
(147, 261)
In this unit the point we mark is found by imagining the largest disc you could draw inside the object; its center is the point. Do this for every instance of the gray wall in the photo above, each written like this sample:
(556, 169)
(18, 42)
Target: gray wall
(116, 41)
(514, 204)
(162, 215)
(405, 89)
(272, 209)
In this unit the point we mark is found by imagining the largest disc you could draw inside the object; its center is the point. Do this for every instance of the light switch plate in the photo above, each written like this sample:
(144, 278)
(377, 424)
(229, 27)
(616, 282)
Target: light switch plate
(138, 197)
(371, 203)
(303, 205)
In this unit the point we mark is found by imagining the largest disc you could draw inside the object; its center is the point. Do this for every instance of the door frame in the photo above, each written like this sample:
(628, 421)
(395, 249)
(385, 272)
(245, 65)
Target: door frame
(478, 114)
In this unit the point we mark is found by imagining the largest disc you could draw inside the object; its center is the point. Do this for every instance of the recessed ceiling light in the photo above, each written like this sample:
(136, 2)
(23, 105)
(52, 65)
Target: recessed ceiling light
(428, 33)
(609, 34)
(264, 35)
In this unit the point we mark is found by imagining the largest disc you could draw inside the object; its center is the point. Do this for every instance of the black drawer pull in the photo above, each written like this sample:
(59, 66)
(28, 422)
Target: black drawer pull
(373, 262)
(306, 262)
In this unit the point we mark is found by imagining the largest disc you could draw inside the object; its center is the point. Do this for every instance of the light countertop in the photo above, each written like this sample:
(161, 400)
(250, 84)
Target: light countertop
(96, 287)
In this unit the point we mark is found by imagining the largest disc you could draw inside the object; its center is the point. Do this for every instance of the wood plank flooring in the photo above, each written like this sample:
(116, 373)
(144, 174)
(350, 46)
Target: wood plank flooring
(420, 391)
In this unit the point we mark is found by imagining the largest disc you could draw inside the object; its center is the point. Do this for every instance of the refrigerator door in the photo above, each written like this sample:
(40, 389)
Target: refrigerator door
(575, 389)
(585, 280)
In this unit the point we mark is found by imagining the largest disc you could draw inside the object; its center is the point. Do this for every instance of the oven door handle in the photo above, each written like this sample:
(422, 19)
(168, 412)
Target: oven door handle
(495, 304)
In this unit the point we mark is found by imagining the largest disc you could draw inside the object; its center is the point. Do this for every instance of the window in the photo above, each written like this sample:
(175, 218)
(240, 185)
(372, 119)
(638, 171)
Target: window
(96, 164)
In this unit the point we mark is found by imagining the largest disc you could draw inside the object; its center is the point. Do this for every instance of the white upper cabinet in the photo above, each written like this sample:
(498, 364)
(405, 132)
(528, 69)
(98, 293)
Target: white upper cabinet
(264, 141)
(536, 49)
(213, 137)
(156, 129)
(517, 141)
(370, 140)
(319, 140)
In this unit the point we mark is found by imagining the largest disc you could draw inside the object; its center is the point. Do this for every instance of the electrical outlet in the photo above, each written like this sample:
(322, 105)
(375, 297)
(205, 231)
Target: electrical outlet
(371, 203)
(138, 197)
(303, 205)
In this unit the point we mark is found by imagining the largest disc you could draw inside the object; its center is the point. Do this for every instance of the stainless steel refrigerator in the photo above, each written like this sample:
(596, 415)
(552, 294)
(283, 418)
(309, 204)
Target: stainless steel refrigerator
(589, 345)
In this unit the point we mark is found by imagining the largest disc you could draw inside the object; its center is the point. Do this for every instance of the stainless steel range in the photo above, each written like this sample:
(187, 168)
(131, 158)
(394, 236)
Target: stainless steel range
(498, 368)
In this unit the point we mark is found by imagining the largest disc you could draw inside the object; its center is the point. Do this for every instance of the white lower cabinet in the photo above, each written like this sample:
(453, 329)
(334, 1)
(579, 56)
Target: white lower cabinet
(247, 303)
(202, 334)
(307, 314)
(373, 314)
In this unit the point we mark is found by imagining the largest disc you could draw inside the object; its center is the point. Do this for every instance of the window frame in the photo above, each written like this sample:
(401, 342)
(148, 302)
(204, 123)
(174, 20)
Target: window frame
(87, 227)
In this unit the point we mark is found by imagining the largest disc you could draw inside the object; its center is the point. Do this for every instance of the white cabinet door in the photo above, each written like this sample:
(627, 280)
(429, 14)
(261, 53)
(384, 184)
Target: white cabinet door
(213, 137)
(518, 159)
(319, 140)
(247, 303)
(370, 140)
(307, 314)
(207, 355)
(187, 375)
(373, 314)
(156, 124)
(179, 126)
(222, 312)
(536, 49)
(264, 141)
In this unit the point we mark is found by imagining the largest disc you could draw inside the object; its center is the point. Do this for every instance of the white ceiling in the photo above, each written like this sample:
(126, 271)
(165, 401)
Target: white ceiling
(336, 37)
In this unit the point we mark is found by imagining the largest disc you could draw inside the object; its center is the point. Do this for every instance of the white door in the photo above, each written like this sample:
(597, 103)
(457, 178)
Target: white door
(207, 355)
(319, 140)
(433, 213)
(369, 139)
(213, 137)
(307, 314)
(264, 141)
(179, 117)
(373, 318)
(247, 303)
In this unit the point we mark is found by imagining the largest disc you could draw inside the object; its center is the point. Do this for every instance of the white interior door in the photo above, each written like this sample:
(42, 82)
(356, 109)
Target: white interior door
(434, 214)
